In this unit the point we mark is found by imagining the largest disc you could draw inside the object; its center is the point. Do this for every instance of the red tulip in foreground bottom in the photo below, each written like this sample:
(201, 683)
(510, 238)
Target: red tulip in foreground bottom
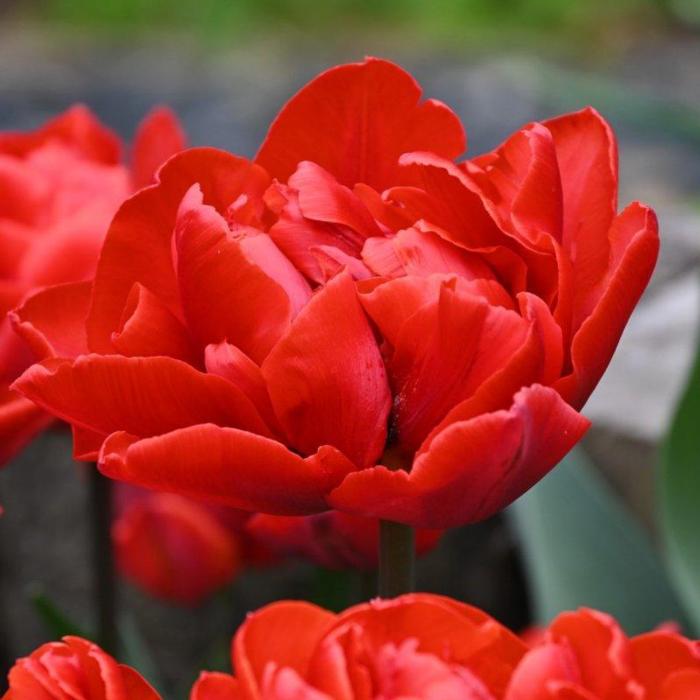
(75, 669)
(428, 647)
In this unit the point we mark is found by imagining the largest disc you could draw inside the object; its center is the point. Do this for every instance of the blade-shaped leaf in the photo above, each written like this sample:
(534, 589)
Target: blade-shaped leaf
(55, 621)
(679, 491)
(582, 548)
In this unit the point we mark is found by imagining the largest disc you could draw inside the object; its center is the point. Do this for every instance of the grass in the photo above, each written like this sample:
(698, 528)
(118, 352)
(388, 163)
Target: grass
(445, 20)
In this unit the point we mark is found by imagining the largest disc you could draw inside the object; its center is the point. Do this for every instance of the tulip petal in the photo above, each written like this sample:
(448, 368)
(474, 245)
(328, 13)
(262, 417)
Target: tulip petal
(143, 396)
(227, 361)
(521, 183)
(158, 137)
(20, 421)
(148, 328)
(586, 152)
(448, 199)
(174, 548)
(539, 669)
(538, 361)
(138, 247)
(322, 198)
(135, 685)
(265, 635)
(634, 250)
(473, 468)
(443, 353)
(52, 321)
(224, 465)
(602, 650)
(212, 685)
(474, 640)
(77, 127)
(327, 380)
(226, 293)
(355, 121)
(656, 655)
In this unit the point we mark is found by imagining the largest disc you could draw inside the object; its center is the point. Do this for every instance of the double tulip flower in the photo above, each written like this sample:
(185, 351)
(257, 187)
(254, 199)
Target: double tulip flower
(61, 186)
(354, 320)
(420, 646)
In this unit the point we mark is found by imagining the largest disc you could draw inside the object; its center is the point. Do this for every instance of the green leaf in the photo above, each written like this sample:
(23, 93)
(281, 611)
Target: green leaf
(679, 494)
(56, 622)
(135, 651)
(582, 548)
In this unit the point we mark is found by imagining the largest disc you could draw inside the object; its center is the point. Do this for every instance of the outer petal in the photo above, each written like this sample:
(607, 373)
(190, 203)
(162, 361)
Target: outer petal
(327, 380)
(602, 651)
(159, 136)
(264, 637)
(682, 685)
(228, 466)
(355, 121)
(136, 687)
(473, 468)
(634, 250)
(144, 396)
(138, 245)
(586, 152)
(52, 321)
(658, 655)
(215, 686)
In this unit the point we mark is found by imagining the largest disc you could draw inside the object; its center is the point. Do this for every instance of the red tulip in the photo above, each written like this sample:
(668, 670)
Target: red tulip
(333, 540)
(77, 670)
(174, 548)
(427, 647)
(352, 321)
(416, 646)
(585, 655)
(61, 186)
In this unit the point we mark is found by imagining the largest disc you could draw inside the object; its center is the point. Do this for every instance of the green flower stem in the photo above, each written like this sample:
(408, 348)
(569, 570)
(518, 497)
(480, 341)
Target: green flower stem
(103, 566)
(397, 559)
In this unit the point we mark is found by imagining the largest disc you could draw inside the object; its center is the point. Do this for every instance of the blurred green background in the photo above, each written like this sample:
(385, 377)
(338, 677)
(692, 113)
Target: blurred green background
(439, 20)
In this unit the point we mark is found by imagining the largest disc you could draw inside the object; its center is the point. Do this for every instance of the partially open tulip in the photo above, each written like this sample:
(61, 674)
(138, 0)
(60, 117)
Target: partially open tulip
(427, 647)
(75, 669)
(353, 320)
(61, 185)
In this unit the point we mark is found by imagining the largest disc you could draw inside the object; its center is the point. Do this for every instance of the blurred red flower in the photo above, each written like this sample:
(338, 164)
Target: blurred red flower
(426, 646)
(183, 551)
(61, 183)
(75, 669)
(333, 539)
(354, 320)
(173, 547)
